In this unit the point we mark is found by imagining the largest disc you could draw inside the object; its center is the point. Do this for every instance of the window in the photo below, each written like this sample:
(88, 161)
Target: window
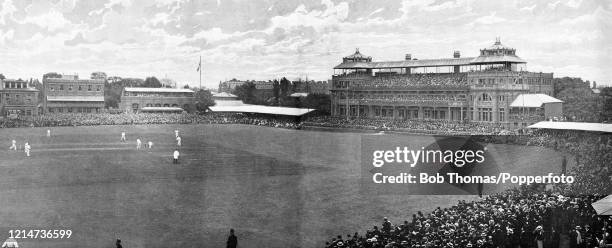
(158, 105)
(70, 87)
(166, 105)
(135, 106)
(502, 115)
(80, 88)
(149, 105)
(89, 88)
(484, 98)
(485, 114)
(98, 88)
(61, 87)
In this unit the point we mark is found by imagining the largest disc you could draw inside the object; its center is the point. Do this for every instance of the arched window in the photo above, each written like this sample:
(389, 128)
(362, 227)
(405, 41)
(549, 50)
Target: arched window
(149, 105)
(175, 105)
(158, 105)
(484, 98)
(135, 106)
(166, 105)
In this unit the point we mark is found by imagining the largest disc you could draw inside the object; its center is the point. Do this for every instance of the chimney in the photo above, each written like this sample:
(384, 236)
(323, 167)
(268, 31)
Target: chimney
(456, 54)
(408, 56)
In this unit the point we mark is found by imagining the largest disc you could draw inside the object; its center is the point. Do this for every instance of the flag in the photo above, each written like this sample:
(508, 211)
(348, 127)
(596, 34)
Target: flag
(199, 66)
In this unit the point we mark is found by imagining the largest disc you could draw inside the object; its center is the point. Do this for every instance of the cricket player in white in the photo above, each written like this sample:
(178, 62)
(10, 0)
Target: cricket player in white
(178, 140)
(13, 145)
(123, 136)
(150, 144)
(176, 133)
(175, 156)
(26, 148)
(48, 133)
(138, 144)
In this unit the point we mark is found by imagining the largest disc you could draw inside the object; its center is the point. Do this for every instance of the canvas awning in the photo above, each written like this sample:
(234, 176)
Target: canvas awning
(533, 100)
(579, 126)
(603, 206)
(259, 109)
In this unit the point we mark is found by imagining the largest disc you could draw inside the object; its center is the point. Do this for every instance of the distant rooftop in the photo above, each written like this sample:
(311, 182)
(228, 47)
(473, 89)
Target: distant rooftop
(497, 53)
(157, 90)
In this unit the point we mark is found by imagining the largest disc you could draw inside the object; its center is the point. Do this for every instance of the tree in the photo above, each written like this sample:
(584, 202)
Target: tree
(284, 87)
(152, 82)
(112, 91)
(246, 93)
(186, 86)
(37, 85)
(98, 75)
(580, 103)
(52, 75)
(276, 91)
(203, 100)
(320, 102)
(2, 76)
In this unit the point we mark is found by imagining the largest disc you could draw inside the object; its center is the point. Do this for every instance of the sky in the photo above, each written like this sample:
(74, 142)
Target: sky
(260, 40)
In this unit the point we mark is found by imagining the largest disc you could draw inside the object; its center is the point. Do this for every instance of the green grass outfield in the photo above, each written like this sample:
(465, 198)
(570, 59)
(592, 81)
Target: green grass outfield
(276, 187)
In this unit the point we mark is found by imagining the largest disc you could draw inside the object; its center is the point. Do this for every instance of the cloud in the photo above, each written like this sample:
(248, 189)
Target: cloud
(264, 39)
(488, 20)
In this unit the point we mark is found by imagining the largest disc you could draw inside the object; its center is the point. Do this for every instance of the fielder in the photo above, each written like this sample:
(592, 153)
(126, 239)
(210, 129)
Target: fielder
(175, 156)
(138, 144)
(123, 136)
(150, 144)
(176, 133)
(48, 133)
(178, 140)
(13, 145)
(27, 148)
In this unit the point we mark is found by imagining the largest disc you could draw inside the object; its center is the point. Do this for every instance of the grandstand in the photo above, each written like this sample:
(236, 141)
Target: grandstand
(69, 94)
(470, 89)
(156, 99)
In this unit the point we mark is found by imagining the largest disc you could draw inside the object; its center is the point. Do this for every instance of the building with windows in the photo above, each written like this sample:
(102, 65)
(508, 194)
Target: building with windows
(230, 85)
(69, 94)
(137, 99)
(17, 99)
(475, 89)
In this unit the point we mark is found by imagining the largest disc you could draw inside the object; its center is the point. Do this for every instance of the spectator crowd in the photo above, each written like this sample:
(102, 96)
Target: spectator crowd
(525, 216)
(92, 119)
(415, 80)
(413, 126)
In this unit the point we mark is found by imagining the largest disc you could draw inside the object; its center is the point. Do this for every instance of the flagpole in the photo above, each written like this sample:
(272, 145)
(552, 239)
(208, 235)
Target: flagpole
(200, 67)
